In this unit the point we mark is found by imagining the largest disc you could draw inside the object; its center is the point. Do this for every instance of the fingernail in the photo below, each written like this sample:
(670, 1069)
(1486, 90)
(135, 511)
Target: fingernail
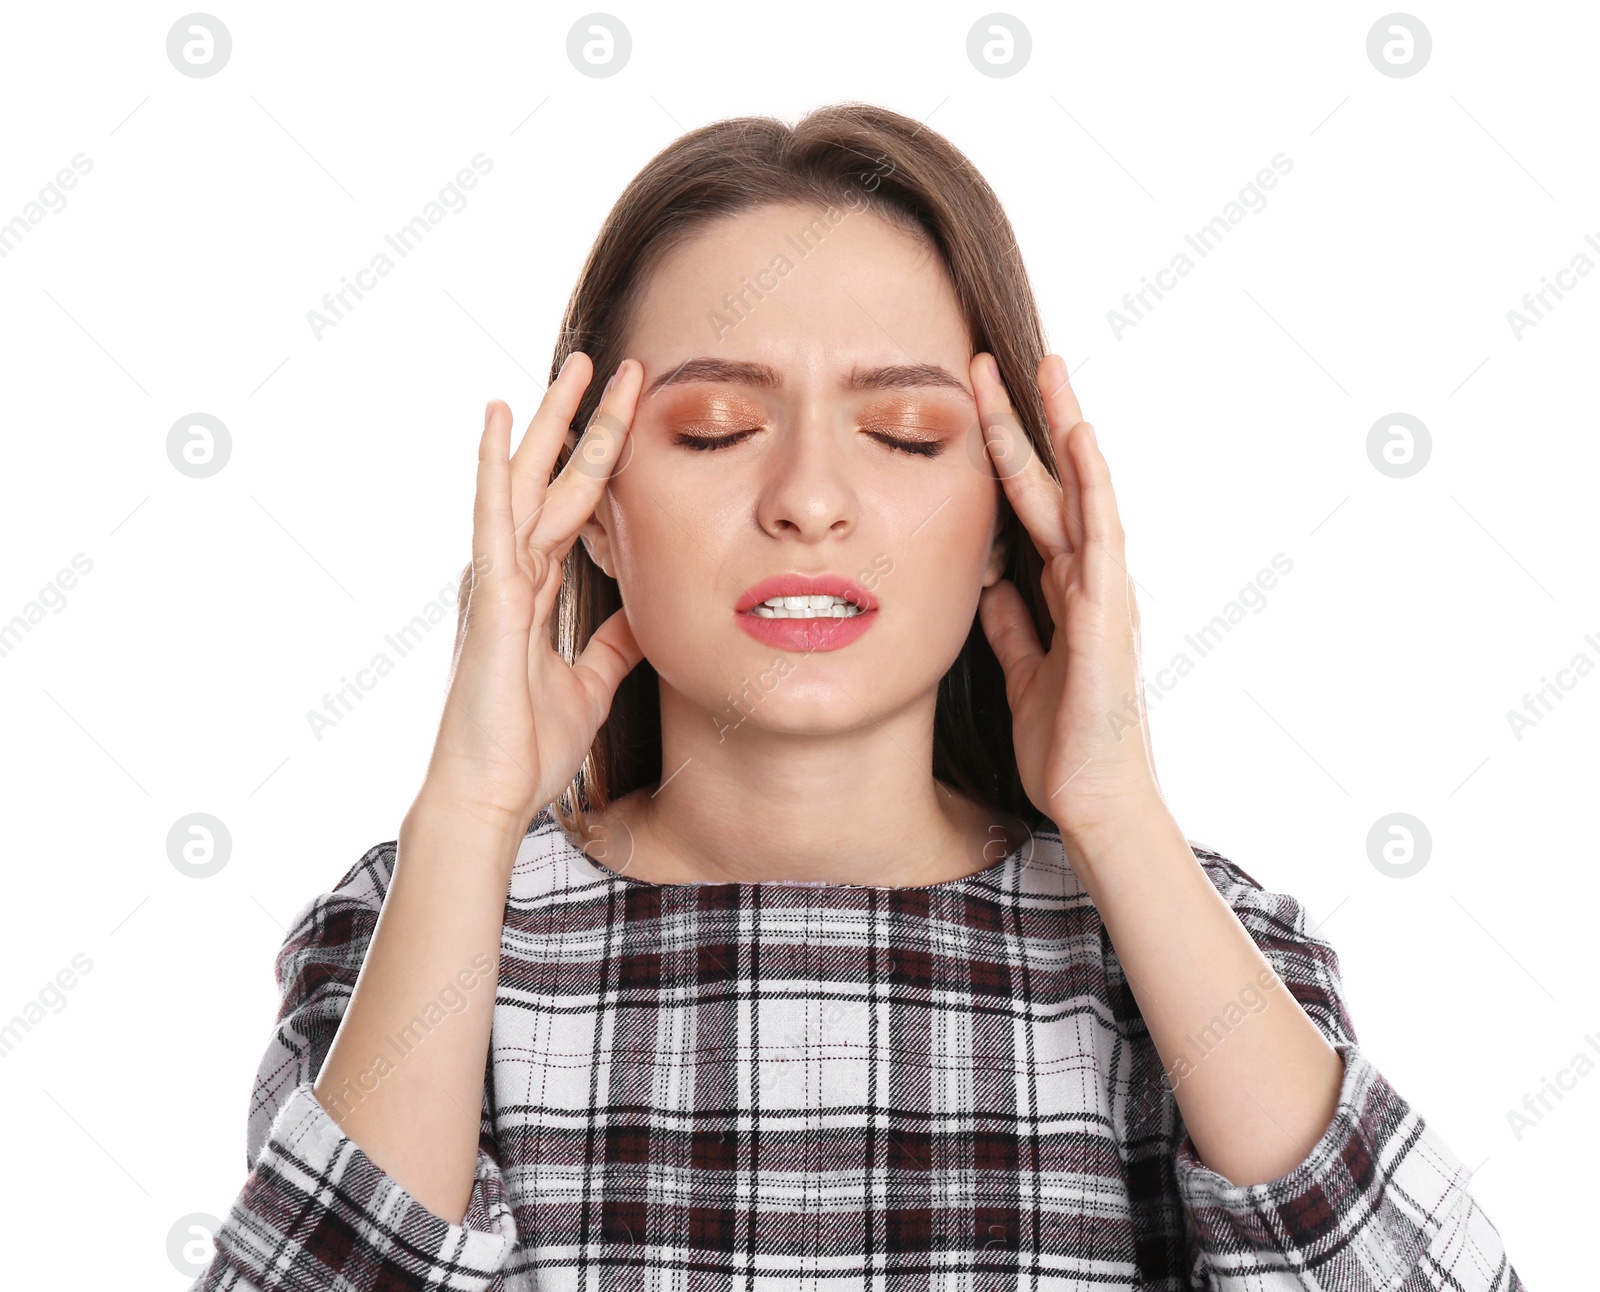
(488, 412)
(565, 364)
(613, 380)
(994, 367)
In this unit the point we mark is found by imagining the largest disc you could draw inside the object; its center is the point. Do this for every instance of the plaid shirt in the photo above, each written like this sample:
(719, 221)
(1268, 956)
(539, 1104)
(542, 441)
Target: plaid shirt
(757, 1086)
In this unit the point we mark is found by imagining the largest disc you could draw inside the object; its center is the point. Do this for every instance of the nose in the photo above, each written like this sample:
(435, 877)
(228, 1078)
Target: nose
(807, 493)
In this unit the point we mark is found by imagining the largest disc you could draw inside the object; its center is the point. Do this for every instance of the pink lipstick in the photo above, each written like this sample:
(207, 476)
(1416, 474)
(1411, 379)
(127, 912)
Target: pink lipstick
(807, 612)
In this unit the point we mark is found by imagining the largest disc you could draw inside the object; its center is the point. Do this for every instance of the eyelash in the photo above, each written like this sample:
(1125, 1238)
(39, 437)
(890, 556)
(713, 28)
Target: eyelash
(711, 443)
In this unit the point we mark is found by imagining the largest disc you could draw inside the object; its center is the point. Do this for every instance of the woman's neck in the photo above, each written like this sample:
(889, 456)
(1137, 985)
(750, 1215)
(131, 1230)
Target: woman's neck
(739, 802)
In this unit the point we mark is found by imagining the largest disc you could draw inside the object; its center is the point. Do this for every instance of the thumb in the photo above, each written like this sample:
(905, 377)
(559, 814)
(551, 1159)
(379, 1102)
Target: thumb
(609, 656)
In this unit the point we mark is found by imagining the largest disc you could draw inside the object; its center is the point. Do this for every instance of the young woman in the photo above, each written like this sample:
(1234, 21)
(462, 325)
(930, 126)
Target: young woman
(852, 943)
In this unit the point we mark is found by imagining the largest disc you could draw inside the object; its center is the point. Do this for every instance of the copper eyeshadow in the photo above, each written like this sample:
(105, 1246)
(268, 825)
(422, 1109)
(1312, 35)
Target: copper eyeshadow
(723, 411)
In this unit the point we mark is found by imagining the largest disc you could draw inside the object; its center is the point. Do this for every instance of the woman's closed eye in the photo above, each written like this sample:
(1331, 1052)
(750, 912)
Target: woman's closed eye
(711, 443)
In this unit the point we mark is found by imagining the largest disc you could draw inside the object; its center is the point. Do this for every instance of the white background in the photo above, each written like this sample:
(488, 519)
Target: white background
(218, 611)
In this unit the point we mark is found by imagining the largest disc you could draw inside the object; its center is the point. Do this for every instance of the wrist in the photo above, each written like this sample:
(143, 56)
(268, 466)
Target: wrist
(438, 811)
(1120, 840)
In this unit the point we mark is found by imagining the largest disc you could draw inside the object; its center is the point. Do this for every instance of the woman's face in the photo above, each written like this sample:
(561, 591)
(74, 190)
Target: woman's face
(807, 410)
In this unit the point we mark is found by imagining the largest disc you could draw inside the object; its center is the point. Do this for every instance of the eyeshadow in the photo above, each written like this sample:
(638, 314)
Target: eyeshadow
(723, 410)
(927, 415)
(712, 407)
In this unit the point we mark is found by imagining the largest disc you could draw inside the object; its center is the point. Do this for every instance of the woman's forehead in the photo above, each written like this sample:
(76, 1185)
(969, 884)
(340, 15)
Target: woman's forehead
(771, 261)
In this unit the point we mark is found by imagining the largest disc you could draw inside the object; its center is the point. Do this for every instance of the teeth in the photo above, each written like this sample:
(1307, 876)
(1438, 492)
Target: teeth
(817, 606)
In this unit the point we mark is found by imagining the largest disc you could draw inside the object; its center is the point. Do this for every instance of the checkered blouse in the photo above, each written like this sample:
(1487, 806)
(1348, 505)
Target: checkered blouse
(748, 1086)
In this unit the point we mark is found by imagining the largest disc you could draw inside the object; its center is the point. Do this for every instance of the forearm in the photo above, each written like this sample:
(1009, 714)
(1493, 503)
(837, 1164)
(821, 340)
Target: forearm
(1255, 1079)
(404, 1077)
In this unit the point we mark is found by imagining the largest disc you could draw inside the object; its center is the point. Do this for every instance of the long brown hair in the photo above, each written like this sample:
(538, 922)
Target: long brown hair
(918, 180)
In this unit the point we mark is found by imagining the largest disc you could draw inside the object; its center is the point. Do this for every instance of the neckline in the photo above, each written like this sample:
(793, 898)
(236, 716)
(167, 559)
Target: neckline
(809, 885)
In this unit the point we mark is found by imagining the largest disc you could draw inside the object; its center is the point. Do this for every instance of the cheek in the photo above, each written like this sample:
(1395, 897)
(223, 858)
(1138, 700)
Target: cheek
(947, 530)
(669, 547)
(938, 566)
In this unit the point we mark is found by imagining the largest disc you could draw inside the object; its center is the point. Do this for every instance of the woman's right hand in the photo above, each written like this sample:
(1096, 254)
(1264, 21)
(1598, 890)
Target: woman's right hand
(518, 720)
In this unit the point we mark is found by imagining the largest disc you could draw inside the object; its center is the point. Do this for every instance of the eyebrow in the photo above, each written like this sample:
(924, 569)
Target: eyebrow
(899, 376)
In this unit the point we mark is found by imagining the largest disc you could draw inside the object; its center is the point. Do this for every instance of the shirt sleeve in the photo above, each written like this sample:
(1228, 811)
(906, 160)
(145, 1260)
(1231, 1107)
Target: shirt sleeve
(1379, 1203)
(315, 1213)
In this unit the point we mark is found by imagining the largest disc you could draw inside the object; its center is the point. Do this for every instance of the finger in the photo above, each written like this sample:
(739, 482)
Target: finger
(1033, 493)
(1105, 563)
(545, 598)
(608, 657)
(574, 494)
(1105, 570)
(1009, 628)
(1062, 414)
(493, 548)
(463, 598)
(536, 454)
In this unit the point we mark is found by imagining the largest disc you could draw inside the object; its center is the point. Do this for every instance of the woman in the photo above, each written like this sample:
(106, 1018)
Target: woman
(852, 938)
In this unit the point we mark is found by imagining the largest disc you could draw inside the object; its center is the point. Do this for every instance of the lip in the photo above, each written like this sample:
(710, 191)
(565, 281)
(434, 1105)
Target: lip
(806, 585)
(807, 635)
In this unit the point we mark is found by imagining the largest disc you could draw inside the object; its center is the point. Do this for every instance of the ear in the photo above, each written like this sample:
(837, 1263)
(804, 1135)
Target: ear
(995, 568)
(596, 536)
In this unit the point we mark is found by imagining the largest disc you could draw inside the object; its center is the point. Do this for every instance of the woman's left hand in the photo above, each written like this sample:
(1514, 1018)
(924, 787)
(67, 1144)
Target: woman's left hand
(1078, 711)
